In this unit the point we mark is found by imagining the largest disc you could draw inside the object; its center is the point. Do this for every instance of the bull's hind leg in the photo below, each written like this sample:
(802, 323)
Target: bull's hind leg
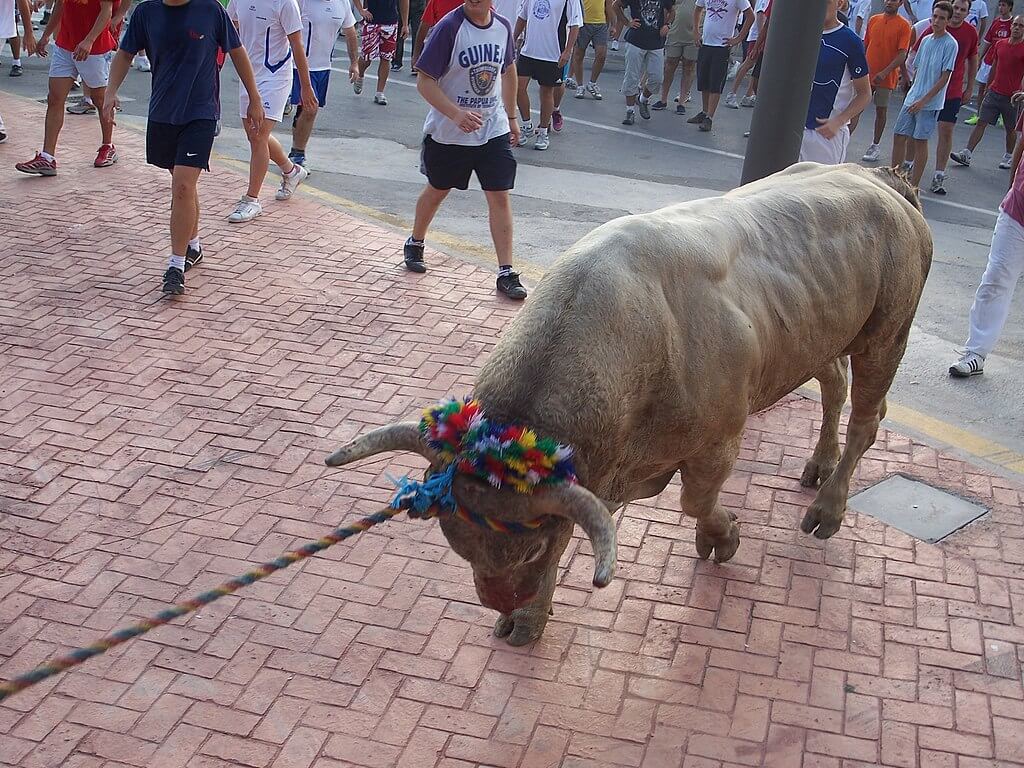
(873, 372)
(703, 478)
(823, 461)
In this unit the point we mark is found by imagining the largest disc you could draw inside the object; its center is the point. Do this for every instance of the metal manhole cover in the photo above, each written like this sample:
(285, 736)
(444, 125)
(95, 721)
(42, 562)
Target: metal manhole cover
(916, 508)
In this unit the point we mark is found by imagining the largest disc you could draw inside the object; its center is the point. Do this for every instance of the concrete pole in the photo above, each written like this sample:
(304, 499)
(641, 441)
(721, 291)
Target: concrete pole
(784, 90)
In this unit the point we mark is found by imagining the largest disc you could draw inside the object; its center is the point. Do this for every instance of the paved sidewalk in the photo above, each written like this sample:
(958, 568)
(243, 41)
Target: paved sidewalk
(152, 448)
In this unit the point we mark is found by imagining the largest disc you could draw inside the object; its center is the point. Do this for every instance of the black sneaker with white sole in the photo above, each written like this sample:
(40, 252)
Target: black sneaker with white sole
(413, 252)
(174, 281)
(509, 285)
(193, 256)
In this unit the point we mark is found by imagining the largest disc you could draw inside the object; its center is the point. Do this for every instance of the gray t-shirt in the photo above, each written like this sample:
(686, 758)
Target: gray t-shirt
(934, 56)
(681, 30)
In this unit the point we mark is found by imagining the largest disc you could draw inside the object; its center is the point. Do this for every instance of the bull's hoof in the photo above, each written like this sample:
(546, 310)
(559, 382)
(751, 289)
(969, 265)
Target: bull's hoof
(815, 472)
(519, 628)
(821, 522)
(723, 547)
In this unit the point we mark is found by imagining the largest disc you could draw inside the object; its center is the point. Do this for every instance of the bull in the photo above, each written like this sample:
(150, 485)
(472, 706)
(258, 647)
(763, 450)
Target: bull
(649, 342)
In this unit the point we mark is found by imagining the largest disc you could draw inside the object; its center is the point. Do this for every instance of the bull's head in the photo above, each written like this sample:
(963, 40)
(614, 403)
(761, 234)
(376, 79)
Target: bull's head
(514, 573)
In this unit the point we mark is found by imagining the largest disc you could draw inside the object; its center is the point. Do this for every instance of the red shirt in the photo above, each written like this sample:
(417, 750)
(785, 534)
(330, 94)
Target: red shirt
(1013, 203)
(1000, 30)
(438, 9)
(76, 21)
(1008, 69)
(966, 37)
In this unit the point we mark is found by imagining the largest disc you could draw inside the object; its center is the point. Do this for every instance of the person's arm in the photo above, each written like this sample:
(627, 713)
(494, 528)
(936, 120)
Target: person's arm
(119, 68)
(520, 28)
(417, 44)
(28, 40)
(620, 13)
(117, 17)
(509, 87)
(698, 33)
(972, 72)
(762, 36)
(403, 15)
(309, 100)
(935, 89)
(467, 120)
(861, 98)
(982, 24)
(243, 68)
(1019, 148)
(748, 19)
(367, 16)
(570, 41)
(84, 48)
(352, 42)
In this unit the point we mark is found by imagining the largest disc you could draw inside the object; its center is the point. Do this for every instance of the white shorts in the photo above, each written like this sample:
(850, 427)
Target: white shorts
(984, 70)
(816, 148)
(94, 70)
(275, 95)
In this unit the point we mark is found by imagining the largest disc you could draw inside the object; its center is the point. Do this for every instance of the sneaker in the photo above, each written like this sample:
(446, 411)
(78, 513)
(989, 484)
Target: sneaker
(630, 118)
(16, 70)
(288, 106)
(680, 109)
(246, 210)
(557, 121)
(969, 364)
(525, 132)
(106, 156)
(731, 102)
(1006, 162)
(76, 84)
(193, 256)
(580, 92)
(216, 129)
(999, 122)
(3, 136)
(734, 67)
(645, 110)
(872, 155)
(570, 82)
(594, 91)
(380, 98)
(705, 126)
(963, 157)
(972, 120)
(38, 166)
(697, 119)
(299, 158)
(542, 141)
(141, 63)
(174, 282)
(748, 101)
(357, 86)
(907, 166)
(396, 67)
(746, 134)
(659, 105)
(938, 185)
(290, 182)
(81, 107)
(413, 253)
(509, 285)
(615, 45)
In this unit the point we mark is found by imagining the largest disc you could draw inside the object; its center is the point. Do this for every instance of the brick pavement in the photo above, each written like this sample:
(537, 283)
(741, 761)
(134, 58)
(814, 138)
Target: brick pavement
(152, 448)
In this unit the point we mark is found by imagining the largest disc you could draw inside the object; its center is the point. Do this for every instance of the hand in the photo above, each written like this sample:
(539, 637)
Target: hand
(405, 30)
(353, 72)
(28, 41)
(564, 58)
(734, 40)
(664, 30)
(81, 53)
(828, 128)
(514, 132)
(42, 47)
(254, 115)
(916, 107)
(968, 95)
(634, 24)
(700, 40)
(310, 104)
(1017, 99)
(877, 80)
(367, 16)
(109, 107)
(468, 121)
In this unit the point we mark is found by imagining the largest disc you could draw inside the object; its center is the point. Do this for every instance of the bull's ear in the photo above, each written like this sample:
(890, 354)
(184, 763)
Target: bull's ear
(590, 513)
(404, 436)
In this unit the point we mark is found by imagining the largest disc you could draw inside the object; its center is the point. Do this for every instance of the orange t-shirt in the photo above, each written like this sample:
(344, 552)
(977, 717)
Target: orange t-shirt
(887, 35)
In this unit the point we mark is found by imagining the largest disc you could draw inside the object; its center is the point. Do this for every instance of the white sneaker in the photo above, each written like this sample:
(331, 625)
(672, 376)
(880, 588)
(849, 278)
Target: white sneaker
(615, 45)
(872, 155)
(570, 82)
(594, 91)
(963, 157)
(357, 86)
(290, 182)
(969, 364)
(141, 63)
(525, 132)
(734, 67)
(580, 92)
(1007, 162)
(730, 101)
(748, 101)
(380, 98)
(542, 141)
(248, 208)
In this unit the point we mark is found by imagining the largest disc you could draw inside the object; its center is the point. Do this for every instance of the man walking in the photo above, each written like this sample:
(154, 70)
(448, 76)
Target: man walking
(1007, 72)
(1005, 263)
(271, 31)
(916, 122)
(998, 30)
(840, 92)
(467, 75)
(321, 22)
(646, 31)
(749, 61)
(593, 33)
(717, 36)
(886, 47)
(383, 22)
(182, 38)
(83, 41)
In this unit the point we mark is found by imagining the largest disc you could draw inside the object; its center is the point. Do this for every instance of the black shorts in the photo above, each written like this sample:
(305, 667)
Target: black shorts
(950, 109)
(190, 144)
(712, 68)
(997, 105)
(547, 73)
(449, 166)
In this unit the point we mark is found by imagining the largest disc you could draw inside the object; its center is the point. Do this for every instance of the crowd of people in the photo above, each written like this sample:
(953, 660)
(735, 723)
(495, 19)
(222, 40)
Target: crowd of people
(474, 68)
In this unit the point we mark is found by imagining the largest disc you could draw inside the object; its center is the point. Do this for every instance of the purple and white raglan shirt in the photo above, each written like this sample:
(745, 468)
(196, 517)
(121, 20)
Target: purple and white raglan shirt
(468, 61)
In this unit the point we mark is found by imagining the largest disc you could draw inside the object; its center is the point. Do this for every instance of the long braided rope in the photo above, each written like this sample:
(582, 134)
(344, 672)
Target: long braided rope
(76, 657)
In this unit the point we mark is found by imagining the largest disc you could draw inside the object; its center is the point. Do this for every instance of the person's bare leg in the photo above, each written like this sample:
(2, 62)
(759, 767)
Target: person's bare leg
(686, 79)
(499, 216)
(383, 70)
(920, 161)
(278, 155)
(106, 126)
(899, 150)
(259, 155)
(976, 135)
(547, 105)
(670, 73)
(59, 88)
(1011, 139)
(600, 55)
(943, 146)
(712, 101)
(523, 99)
(576, 70)
(881, 116)
(303, 129)
(15, 46)
(426, 208)
(184, 207)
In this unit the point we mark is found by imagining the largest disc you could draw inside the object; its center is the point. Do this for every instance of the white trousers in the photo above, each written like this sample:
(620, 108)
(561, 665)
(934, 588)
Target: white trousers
(992, 300)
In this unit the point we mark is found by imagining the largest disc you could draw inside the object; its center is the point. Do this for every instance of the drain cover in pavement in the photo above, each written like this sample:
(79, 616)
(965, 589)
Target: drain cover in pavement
(916, 508)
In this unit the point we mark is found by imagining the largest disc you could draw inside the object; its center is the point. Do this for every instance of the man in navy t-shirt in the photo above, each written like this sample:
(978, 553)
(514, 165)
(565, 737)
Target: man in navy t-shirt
(182, 38)
(841, 91)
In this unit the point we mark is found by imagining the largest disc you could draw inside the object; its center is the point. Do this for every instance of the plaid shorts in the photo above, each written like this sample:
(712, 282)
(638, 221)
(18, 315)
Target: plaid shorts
(379, 41)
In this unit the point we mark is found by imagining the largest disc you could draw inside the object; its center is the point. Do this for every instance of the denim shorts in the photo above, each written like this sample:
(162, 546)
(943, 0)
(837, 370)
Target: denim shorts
(920, 126)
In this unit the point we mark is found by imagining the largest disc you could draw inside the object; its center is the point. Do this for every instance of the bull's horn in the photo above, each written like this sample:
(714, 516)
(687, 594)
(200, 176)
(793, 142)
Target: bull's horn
(586, 510)
(404, 436)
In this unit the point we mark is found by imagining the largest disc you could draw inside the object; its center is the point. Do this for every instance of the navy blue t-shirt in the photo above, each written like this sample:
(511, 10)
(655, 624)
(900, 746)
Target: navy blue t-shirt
(182, 42)
(841, 60)
(383, 11)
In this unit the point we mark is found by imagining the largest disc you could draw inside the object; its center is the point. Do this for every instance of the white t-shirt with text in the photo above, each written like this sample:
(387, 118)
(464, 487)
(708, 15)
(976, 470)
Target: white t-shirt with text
(720, 19)
(322, 20)
(263, 28)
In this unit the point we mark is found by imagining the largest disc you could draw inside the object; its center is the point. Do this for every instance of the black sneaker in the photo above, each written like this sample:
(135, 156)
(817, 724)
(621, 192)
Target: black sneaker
(414, 256)
(509, 285)
(16, 70)
(192, 257)
(645, 110)
(697, 119)
(174, 281)
(705, 124)
(680, 109)
(659, 105)
(396, 67)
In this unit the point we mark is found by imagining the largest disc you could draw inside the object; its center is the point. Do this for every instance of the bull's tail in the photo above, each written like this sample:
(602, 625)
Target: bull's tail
(899, 181)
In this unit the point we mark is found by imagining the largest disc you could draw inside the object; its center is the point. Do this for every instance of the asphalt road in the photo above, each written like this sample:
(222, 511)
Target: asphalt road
(364, 157)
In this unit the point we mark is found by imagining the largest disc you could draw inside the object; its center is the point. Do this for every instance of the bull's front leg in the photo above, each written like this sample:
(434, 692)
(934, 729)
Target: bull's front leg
(526, 624)
(703, 478)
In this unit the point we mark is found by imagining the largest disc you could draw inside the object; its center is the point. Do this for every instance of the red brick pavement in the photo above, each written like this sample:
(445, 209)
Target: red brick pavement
(153, 447)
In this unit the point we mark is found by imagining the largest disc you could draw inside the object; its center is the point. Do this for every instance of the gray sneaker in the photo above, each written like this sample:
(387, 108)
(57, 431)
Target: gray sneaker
(645, 110)
(630, 118)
